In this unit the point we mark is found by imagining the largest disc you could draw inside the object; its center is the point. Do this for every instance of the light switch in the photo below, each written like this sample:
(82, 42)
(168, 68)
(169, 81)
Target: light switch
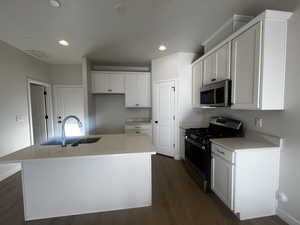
(20, 118)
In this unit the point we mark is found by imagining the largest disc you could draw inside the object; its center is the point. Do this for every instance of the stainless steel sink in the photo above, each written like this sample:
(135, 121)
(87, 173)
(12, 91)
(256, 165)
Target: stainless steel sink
(72, 140)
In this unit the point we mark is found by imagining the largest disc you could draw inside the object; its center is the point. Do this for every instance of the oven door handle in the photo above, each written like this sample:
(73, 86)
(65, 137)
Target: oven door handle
(193, 142)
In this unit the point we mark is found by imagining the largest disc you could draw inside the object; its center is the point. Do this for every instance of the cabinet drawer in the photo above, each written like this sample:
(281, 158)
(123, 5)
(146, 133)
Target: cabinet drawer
(223, 153)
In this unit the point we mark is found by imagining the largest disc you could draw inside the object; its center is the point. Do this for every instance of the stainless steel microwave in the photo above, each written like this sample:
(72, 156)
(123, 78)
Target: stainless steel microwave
(217, 94)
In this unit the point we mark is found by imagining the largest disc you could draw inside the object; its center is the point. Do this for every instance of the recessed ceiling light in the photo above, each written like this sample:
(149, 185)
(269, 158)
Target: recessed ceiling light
(55, 3)
(162, 48)
(63, 42)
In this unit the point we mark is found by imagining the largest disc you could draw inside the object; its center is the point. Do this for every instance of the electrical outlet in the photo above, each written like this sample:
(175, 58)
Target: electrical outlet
(258, 122)
(20, 118)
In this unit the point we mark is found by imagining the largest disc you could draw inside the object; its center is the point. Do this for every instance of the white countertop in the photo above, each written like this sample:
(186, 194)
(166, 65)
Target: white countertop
(243, 143)
(114, 144)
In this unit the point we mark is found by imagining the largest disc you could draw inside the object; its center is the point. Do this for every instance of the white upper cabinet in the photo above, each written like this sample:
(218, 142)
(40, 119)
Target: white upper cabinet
(217, 65)
(223, 62)
(131, 90)
(209, 69)
(117, 83)
(258, 63)
(245, 69)
(100, 82)
(254, 58)
(138, 90)
(197, 78)
(107, 82)
(144, 90)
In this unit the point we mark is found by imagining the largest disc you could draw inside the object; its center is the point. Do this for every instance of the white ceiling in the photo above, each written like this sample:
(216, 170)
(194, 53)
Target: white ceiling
(119, 32)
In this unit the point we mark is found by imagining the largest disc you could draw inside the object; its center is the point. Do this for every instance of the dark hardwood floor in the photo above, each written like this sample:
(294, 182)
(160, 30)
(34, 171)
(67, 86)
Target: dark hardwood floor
(177, 200)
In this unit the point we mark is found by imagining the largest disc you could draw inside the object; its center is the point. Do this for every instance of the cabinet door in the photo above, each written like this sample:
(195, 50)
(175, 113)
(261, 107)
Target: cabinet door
(209, 74)
(223, 62)
(100, 82)
(143, 90)
(130, 90)
(222, 179)
(117, 83)
(197, 79)
(245, 69)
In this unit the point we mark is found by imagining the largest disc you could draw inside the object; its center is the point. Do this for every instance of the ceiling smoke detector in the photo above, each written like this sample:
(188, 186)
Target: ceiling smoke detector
(55, 3)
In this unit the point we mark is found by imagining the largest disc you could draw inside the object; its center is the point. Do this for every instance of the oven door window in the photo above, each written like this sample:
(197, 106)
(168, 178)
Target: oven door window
(207, 97)
(220, 95)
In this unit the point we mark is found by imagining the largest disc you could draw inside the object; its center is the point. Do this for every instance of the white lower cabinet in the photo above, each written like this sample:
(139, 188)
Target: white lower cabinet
(139, 129)
(246, 180)
(222, 173)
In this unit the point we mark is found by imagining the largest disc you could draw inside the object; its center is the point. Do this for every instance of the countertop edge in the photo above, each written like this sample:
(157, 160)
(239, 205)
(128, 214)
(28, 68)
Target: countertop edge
(230, 148)
(78, 156)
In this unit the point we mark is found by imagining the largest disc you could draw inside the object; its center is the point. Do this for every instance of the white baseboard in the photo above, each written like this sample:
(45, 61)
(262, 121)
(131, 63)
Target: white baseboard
(9, 172)
(286, 217)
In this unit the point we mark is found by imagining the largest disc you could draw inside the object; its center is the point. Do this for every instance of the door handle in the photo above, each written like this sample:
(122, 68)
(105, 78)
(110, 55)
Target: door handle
(59, 121)
(109, 90)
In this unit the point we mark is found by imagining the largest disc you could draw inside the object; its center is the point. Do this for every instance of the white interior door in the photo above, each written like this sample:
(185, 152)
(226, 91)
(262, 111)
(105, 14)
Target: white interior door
(164, 117)
(38, 113)
(69, 101)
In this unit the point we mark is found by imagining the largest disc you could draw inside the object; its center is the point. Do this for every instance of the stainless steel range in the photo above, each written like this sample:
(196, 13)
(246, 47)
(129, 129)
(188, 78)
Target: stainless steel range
(198, 146)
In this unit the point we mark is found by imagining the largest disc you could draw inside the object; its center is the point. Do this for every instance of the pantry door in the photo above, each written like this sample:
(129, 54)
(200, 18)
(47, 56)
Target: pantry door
(164, 117)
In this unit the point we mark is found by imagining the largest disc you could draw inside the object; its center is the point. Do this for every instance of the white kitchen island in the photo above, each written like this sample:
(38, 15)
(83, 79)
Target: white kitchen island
(113, 173)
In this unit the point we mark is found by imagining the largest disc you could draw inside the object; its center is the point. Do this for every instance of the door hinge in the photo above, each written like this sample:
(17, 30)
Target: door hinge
(46, 117)
(173, 117)
(45, 92)
(173, 145)
(173, 89)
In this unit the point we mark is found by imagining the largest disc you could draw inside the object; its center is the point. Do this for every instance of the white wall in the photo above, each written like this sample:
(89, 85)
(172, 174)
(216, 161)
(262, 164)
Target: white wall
(284, 123)
(66, 74)
(178, 66)
(15, 68)
(111, 113)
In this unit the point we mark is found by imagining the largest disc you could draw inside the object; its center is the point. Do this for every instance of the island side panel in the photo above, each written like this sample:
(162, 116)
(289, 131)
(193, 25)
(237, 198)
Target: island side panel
(62, 187)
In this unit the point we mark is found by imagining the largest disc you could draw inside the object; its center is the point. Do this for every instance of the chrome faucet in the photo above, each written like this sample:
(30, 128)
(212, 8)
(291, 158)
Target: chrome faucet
(63, 134)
